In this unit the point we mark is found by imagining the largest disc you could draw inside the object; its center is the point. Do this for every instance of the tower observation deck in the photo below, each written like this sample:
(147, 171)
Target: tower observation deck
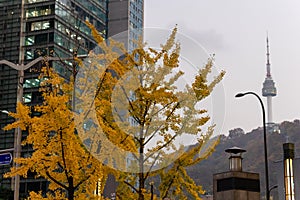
(269, 89)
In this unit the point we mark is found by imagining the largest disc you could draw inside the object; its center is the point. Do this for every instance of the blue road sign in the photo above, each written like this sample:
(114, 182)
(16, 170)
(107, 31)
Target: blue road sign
(5, 158)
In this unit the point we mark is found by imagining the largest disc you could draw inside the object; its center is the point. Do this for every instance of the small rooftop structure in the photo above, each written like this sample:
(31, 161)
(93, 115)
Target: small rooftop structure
(235, 159)
(236, 184)
(235, 150)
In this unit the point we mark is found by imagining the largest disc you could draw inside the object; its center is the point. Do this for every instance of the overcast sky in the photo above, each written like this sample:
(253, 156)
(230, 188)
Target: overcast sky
(235, 31)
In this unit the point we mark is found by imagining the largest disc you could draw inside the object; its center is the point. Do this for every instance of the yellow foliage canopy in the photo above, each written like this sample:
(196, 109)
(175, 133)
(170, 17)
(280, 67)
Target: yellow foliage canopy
(58, 154)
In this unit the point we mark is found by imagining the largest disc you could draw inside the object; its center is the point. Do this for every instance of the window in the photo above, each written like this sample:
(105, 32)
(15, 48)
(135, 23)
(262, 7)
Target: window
(29, 54)
(34, 97)
(64, 2)
(29, 40)
(60, 27)
(40, 52)
(45, 25)
(41, 38)
(59, 40)
(32, 13)
(61, 70)
(35, 1)
(36, 26)
(31, 83)
(51, 37)
(93, 8)
(27, 98)
(39, 11)
(42, 25)
(45, 11)
(82, 27)
(35, 53)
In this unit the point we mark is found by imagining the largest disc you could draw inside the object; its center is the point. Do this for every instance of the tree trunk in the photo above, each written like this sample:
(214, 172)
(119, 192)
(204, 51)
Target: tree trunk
(71, 189)
(141, 168)
(71, 195)
(141, 186)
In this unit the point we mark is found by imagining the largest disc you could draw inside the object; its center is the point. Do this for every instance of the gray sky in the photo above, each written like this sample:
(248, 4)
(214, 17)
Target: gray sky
(235, 31)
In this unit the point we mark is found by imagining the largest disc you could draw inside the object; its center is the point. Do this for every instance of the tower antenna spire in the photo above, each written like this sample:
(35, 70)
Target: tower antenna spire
(268, 58)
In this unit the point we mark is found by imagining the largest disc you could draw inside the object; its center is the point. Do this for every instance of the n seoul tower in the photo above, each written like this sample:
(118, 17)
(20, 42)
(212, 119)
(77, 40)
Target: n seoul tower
(269, 89)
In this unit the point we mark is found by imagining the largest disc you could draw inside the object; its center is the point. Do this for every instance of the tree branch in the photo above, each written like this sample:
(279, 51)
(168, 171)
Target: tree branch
(63, 155)
(55, 181)
(132, 187)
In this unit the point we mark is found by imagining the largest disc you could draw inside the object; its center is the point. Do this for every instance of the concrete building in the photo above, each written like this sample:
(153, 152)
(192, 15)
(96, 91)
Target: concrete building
(236, 184)
(33, 28)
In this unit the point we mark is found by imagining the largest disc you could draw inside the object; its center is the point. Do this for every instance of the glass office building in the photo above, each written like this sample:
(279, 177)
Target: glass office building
(125, 21)
(55, 28)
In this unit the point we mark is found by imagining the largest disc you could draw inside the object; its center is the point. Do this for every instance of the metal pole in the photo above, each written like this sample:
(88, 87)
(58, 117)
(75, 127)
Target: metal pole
(18, 137)
(18, 131)
(265, 140)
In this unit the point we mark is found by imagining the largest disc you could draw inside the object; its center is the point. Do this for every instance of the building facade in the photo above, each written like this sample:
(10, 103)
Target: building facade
(33, 28)
(125, 21)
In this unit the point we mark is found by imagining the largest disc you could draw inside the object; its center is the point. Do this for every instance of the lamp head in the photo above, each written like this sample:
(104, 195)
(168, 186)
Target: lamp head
(4, 111)
(239, 95)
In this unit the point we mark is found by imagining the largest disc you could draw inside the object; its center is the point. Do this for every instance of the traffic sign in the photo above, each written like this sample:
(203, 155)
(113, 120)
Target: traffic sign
(5, 158)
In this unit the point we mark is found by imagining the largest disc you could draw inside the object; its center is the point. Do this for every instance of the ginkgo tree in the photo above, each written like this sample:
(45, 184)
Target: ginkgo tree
(126, 117)
(141, 113)
(58, 154)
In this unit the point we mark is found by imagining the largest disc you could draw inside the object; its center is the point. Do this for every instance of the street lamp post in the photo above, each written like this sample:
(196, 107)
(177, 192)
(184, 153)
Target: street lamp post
(265, 139)
(18, 133)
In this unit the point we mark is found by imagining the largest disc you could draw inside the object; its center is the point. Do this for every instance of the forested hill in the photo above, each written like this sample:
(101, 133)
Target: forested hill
(253, 159)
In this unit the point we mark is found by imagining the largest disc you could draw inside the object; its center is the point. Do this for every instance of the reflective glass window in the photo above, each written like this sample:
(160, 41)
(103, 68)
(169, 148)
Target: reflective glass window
(45, 25)
(32, 83)
(41, 25)
(36, 26)
(29, 54)
(27, 98)
(41, 38)
(58, 40)
(34, 1)
(39, 11)
(29, 40)
(93, 8)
